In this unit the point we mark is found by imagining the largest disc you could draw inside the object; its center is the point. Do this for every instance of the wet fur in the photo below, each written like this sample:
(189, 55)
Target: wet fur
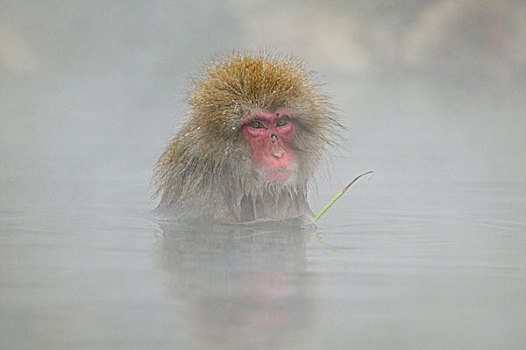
(206, 172)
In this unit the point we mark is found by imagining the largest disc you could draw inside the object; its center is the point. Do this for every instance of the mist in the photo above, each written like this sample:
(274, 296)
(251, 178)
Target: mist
(432, 97)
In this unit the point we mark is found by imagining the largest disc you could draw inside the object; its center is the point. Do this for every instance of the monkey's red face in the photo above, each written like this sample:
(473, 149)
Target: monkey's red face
(269, 135)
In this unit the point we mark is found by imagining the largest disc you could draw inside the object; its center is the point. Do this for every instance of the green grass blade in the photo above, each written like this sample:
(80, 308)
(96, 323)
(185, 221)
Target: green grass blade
(341, 193)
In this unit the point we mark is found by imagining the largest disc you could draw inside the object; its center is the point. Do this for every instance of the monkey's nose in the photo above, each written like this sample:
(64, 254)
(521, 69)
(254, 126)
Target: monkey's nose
(273, 137)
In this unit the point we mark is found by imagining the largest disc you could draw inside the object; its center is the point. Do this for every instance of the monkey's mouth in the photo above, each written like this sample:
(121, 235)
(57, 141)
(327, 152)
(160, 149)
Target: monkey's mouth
(278, 175)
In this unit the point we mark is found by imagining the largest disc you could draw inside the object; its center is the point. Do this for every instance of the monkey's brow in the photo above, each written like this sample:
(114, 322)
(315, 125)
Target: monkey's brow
(256, 119)
(260, 119)
(267, 119)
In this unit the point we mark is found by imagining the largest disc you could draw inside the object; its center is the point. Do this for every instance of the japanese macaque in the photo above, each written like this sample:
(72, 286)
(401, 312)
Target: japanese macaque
(256, 130)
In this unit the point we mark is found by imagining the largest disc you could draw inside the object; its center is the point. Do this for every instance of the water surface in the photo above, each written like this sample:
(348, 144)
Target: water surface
(386, 269)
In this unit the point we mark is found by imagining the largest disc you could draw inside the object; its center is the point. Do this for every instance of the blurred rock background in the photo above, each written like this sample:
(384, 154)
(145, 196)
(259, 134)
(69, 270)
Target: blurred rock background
(91, 91)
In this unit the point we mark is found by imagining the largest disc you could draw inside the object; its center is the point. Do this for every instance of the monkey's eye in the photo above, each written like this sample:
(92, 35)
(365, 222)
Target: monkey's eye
(282, 122)
(255, 124)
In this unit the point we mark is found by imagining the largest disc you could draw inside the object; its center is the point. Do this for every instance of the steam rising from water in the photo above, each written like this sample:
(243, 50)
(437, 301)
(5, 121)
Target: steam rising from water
(433, 98)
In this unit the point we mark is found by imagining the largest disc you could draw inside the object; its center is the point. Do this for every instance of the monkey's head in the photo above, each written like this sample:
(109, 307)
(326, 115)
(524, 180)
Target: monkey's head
(265, 114)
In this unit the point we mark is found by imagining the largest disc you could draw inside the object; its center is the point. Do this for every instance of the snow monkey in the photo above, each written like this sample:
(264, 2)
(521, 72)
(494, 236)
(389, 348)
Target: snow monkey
(256, 130)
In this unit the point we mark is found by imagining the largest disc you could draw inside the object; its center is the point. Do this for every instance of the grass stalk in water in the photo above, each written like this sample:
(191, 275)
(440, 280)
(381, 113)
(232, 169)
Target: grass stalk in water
(341, 193)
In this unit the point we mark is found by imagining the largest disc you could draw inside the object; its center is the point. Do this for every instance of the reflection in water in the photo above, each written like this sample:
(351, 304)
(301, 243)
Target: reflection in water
(242, 286)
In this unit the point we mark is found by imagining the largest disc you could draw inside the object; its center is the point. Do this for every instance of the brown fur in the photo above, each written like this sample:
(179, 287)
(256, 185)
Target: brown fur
(207, 173)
